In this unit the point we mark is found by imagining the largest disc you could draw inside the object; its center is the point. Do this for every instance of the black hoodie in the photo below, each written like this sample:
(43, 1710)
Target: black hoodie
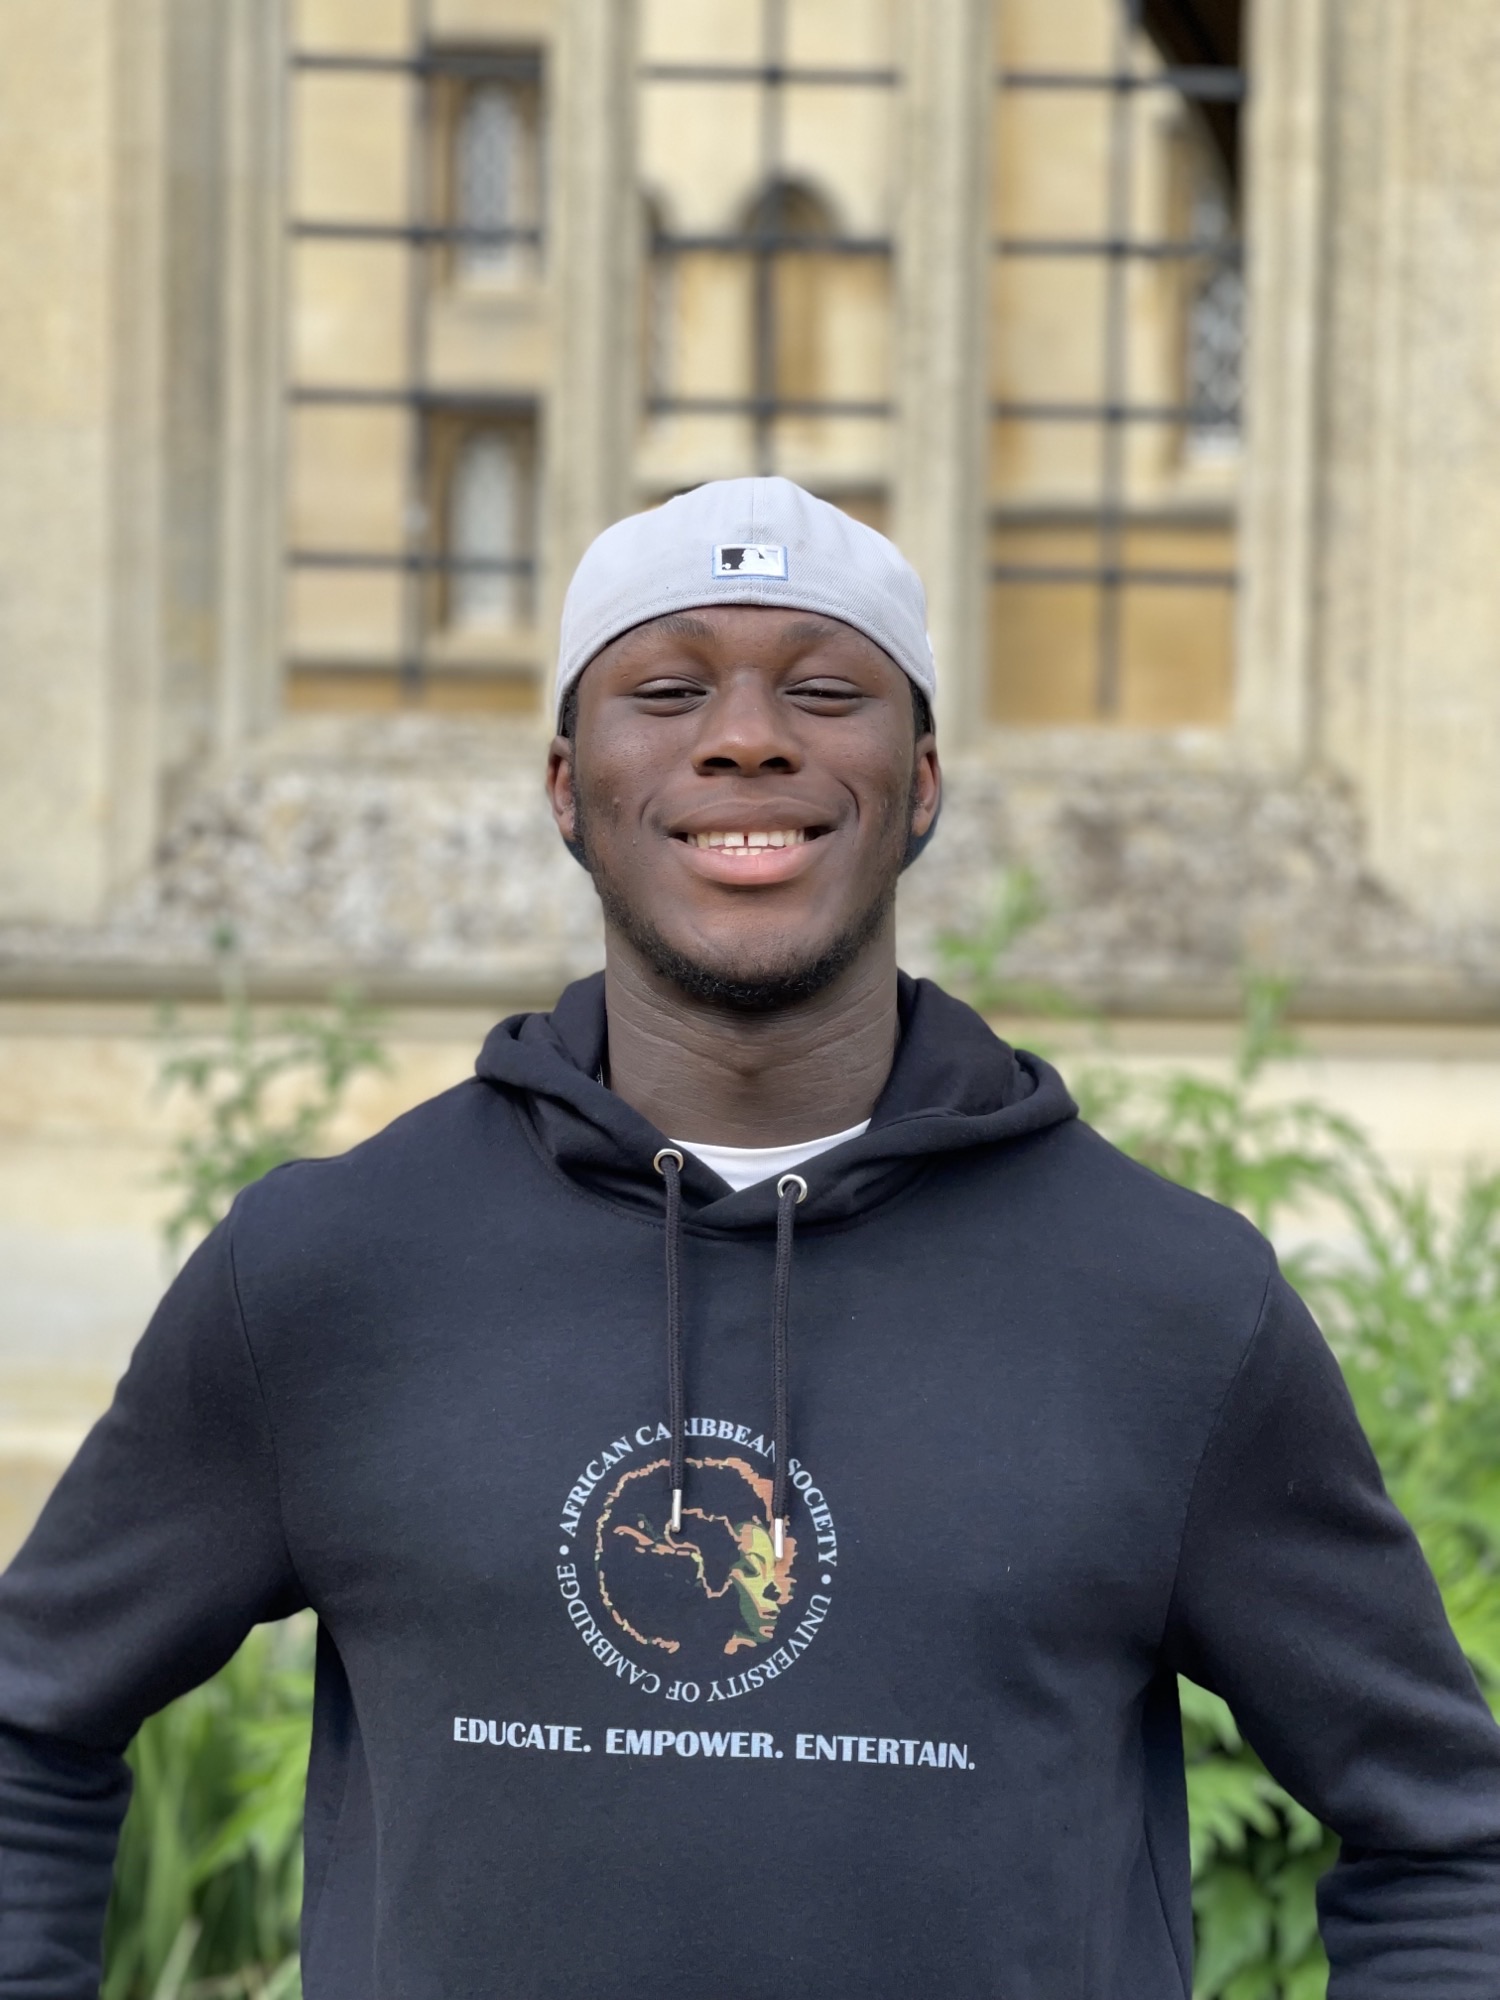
(1058, 1431)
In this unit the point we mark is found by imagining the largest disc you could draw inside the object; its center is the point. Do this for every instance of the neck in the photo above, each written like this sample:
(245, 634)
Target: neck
(729, 1078)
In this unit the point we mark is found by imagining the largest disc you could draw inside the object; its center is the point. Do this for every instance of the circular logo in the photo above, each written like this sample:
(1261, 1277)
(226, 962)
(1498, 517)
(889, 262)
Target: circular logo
(708, 1611)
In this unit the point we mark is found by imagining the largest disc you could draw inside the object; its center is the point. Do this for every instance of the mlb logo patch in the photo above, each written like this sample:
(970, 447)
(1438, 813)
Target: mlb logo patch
(750, 559)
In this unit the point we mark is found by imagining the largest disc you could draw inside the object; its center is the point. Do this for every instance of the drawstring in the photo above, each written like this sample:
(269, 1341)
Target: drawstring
(668, 1163)
(790, 1190)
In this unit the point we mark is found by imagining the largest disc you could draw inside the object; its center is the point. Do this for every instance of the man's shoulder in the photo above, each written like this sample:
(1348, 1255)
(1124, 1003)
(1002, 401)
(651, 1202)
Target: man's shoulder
(420, 1167)
(1107, 1212)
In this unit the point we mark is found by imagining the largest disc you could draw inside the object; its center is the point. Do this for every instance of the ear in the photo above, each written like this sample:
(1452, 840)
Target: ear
(927, 786)
(561, 793)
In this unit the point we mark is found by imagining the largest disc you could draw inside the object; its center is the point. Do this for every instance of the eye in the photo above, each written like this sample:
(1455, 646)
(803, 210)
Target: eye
(667, 693)
(826, 692)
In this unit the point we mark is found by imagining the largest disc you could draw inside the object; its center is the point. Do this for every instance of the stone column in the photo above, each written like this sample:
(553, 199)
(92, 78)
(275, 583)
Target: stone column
(941, 264)
(593, 256)
(1286, 195)
(252, 420)
(1409, 657)
(80, 420)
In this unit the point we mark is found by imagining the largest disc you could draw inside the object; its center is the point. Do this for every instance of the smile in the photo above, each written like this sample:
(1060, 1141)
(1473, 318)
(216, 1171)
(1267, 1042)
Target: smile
(746, 843)
(759, 858)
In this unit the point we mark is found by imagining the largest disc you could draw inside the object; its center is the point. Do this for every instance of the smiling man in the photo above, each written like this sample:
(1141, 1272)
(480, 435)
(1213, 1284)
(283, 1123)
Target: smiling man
(758, 1461)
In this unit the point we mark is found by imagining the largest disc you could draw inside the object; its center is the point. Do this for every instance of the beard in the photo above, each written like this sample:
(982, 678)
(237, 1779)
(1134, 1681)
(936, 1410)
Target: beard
(784, 978)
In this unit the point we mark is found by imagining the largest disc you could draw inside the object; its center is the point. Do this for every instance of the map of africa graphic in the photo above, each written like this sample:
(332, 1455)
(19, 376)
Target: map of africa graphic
(712, 1590)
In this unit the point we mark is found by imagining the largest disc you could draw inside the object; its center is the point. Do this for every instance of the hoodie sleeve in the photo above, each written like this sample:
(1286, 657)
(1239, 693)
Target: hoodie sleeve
(1303, 1599)
(160, 1548)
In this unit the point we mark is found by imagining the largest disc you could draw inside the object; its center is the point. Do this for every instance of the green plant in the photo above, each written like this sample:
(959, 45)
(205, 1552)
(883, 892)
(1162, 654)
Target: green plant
(1409, 1296)
(975, 962)
(264, 1095)
(1256, 1853)
(1413, 1311)
(208, 1885)
(1224, 1137)
(1414, 1317)
(1256, 1857)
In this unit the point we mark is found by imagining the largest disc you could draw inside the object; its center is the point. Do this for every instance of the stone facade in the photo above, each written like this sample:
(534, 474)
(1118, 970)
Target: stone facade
(1344, 823)
(166, 781)
(432, 867)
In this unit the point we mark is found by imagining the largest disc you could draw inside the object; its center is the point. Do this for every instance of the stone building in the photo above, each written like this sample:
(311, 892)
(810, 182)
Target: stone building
(1156, 331)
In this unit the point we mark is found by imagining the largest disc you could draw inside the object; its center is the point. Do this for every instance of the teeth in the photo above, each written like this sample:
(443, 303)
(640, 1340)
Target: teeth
(747, 843)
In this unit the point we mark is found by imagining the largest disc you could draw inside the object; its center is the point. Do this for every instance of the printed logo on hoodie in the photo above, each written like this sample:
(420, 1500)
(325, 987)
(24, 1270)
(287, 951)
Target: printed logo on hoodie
(708, 1612)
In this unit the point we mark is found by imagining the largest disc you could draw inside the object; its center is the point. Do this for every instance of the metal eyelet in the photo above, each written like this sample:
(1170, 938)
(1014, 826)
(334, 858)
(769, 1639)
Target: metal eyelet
(668, 1153)
(792, 1180)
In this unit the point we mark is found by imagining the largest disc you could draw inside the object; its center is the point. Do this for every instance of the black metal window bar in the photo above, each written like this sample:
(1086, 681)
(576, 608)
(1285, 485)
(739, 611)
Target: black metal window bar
(421, 557)
(769, 235)
(1217, 88)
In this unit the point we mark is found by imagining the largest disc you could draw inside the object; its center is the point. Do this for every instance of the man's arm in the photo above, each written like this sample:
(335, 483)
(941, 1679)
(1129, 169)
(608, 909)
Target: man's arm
(1303, 1598)
(160, 1548)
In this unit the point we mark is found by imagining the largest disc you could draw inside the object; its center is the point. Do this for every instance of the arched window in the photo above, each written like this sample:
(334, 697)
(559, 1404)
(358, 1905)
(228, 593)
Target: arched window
(770, 131)
(792, 280)
(496, 178)
(1213, 305)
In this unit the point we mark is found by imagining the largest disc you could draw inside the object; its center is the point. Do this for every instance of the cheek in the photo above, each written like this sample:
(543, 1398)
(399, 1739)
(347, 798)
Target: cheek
(610, 794)
(886, 795)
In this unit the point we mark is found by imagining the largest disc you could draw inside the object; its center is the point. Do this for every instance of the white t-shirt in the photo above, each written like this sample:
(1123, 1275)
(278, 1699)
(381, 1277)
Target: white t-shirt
(743, 1166)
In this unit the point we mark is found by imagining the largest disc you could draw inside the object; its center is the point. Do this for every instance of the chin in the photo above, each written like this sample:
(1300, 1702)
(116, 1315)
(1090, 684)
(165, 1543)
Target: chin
(742, 973)
(746, 984)
(742, 979)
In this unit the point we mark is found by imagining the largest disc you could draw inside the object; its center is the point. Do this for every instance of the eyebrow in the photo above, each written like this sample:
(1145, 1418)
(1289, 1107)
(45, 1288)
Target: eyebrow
(681, 624)
(810, 628)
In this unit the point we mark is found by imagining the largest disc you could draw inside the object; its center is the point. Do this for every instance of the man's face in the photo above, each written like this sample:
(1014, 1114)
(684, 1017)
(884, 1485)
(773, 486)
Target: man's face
(744, 782)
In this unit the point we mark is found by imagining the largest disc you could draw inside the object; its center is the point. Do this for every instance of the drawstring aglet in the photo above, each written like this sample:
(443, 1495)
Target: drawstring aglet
(778, 1537)
(676, 1510)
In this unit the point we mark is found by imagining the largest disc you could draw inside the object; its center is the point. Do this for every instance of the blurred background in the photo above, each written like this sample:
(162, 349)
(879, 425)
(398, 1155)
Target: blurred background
(1164, 335)
(1160, 333)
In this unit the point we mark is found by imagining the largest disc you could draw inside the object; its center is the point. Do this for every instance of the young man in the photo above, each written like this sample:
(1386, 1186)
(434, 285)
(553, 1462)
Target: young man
(758, 1461)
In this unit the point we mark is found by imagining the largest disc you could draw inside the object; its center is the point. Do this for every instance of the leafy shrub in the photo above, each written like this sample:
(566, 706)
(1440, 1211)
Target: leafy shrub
(1257, 1856)
(208, 1888)
(1256, 1853)
(208, 1885)
(1414, 1316)
(262, 1095)
(1415, 1319)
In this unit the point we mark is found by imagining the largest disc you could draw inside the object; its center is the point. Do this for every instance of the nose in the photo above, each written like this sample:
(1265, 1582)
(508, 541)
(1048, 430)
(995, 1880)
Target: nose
(745, 729)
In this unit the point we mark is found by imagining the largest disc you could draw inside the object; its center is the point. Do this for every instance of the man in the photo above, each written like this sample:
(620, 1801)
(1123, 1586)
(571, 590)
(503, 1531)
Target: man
(758, 1461)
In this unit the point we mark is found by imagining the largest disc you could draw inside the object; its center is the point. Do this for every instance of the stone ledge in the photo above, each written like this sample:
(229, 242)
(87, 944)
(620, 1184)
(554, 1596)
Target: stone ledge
(433, 886)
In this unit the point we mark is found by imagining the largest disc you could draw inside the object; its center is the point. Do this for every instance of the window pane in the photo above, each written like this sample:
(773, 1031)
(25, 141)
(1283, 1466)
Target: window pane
(764, 121)
(496, 175)
(1215, 313)
(487, 525)
(411, 488)
(1116, 328)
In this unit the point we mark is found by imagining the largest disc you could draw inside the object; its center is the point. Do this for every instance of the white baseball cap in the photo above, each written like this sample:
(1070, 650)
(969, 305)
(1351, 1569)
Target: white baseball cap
(745, 541)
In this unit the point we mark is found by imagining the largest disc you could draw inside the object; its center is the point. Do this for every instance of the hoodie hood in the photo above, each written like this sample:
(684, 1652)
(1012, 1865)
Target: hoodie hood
(953, 1084)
